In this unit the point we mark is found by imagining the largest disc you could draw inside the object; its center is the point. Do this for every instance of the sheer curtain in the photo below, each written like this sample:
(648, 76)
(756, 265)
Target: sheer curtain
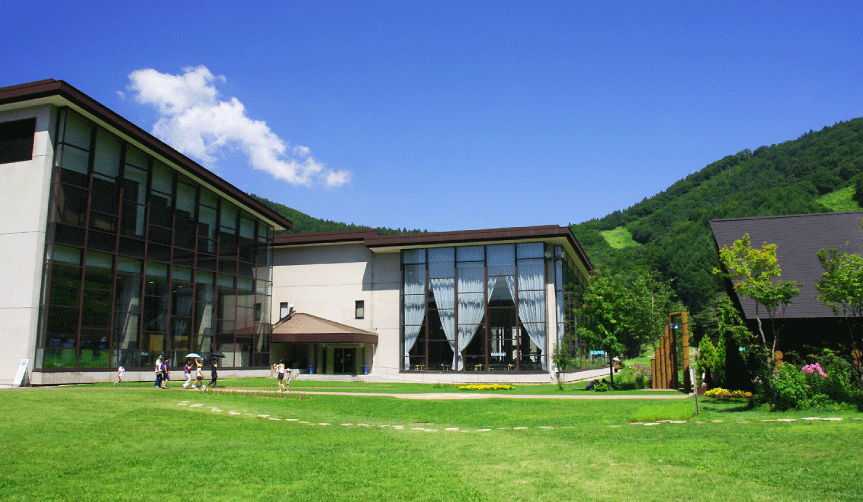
(414, 299)
(444, 295)
(471, 308)
(531, 303)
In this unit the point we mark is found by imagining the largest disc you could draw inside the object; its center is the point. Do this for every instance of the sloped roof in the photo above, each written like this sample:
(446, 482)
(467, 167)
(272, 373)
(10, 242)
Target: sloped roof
(60, 93)
(798, 240)
(307, 328)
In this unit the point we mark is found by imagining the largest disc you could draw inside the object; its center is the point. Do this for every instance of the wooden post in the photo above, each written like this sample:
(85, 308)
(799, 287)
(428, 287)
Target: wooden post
(684, 324)
(654, 376)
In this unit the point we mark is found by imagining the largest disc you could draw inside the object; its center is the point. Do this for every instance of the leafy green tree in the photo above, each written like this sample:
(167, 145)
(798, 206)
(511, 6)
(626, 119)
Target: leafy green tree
(617, 314)
(709, 360)
(722, 322)
(754, 273)
(858, 189)
(841, 289)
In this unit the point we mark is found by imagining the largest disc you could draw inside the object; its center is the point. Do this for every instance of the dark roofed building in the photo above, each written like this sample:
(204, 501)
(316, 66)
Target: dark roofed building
(798, 240)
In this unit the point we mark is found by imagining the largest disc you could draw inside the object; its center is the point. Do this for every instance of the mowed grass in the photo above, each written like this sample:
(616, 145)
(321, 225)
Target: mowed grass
(619, 238)
(576, 388)
(145, 444)
(840, 200)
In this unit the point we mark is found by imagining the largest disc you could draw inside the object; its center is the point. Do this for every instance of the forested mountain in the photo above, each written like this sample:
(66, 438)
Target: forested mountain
(670, 232)
(304, 223)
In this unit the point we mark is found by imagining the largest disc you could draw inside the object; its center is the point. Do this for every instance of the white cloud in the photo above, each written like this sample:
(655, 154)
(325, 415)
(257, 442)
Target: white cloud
(197, 121)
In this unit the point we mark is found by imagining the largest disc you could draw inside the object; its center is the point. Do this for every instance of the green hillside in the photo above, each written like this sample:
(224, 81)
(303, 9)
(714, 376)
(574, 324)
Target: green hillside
(811, 174)
(304, 223)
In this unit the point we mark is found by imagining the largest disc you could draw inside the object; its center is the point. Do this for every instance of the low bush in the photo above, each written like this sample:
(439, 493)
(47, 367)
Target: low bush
(815, 385)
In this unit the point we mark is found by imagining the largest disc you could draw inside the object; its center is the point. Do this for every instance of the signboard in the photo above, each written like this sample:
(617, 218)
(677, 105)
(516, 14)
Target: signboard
(22, 370)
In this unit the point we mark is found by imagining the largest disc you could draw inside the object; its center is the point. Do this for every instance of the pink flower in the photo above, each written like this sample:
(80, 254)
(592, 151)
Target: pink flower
(812, 368)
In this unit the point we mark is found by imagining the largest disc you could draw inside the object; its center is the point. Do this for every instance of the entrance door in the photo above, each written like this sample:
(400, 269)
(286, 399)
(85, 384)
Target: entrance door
(343, 360)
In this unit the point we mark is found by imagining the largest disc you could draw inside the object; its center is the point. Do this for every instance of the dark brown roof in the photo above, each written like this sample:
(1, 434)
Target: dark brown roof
(798, 239)
(324, 237)
(70, 95)
(371, 239)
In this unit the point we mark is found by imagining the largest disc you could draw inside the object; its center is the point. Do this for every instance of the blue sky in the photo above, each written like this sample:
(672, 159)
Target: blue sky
(452, 115)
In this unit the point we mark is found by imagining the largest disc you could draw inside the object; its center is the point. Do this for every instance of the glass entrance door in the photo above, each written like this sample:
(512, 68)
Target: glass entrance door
(343, 360)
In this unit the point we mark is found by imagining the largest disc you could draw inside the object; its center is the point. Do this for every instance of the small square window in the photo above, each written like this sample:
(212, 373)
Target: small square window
(283, 310)
(16, 140)
(359, 309)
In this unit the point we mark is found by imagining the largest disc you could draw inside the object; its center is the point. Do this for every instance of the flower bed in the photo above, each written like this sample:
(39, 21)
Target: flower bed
(493, 386)
(727, 394)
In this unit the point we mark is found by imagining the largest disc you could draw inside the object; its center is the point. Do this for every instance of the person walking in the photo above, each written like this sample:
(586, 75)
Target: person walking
(187, 372)
(199, 376)
(120, 371)
(158, 383)
(280, 369)
(214, 375)
(166, 375)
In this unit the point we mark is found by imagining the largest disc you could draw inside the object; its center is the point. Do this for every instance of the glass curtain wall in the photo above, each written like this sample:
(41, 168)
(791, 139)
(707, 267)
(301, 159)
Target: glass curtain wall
(475, 308)
(569, 289)
(142, 261)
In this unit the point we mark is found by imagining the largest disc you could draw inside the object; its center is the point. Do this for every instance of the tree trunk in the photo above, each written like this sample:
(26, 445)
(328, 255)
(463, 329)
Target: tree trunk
(611, 369)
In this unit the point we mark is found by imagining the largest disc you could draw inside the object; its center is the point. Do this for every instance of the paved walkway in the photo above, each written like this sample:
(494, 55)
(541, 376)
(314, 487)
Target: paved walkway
(466, 394)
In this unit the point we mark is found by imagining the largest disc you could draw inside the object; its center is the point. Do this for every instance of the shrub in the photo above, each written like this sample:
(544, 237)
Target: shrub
(792, 391)
(601, 387)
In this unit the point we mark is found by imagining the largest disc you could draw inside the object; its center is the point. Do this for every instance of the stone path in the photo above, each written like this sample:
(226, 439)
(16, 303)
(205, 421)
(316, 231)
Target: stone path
(471, 395)
(429, 427)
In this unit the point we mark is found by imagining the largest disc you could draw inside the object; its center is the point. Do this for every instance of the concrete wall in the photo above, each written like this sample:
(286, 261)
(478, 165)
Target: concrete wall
(327, 280)
(23, 216)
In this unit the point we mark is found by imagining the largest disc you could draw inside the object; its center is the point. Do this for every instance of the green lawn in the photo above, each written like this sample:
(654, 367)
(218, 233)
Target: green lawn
(136, 443)
(394, 387)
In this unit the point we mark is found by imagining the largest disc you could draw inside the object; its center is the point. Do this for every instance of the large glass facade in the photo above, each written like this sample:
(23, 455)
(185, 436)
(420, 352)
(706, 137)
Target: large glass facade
(569, 290)
(475, 308)
(142, 261)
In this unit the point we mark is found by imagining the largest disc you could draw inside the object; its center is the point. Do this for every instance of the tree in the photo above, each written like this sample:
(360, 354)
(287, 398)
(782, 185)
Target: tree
(858, 189)
(754, 274)
(709, 360)
(617, 314)
(841, 289)
(652, 301)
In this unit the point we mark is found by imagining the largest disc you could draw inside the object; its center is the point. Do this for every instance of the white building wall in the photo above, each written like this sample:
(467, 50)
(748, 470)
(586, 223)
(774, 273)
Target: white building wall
(23, 217)
(327, 280)
(386, 302)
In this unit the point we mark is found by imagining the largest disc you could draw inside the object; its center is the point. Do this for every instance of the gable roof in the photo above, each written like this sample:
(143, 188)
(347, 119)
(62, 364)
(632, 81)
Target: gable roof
(307, 328)
(798, 240)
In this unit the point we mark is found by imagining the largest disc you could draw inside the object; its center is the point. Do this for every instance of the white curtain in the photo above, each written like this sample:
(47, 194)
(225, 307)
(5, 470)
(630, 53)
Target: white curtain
(414, 299)
(531, 304)
(444, 295)
(471, 308)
